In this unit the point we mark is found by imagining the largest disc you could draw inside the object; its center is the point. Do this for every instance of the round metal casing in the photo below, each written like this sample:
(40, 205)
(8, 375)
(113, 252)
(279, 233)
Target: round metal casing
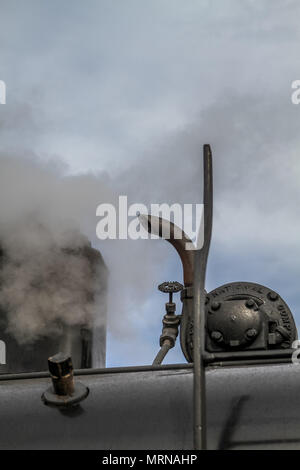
(240, 316)
(234, 323)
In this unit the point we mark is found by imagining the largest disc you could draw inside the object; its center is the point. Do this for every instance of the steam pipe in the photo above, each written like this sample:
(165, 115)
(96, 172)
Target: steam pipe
(162, 353)
(199, 306)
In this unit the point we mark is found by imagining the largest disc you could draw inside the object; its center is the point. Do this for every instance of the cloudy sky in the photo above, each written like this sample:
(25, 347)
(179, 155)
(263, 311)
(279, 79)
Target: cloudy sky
(128, 91)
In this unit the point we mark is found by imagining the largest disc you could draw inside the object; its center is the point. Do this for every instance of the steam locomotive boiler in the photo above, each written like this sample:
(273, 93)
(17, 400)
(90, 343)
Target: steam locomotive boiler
(237, 390)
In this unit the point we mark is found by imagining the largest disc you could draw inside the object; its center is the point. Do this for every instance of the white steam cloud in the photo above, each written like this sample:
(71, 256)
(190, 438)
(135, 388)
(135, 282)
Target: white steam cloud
(48, 277)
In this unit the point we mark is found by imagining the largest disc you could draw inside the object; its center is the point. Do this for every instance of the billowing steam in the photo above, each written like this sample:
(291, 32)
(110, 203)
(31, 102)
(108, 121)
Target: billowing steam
(47, 219)
(45, 284)
(47, 276)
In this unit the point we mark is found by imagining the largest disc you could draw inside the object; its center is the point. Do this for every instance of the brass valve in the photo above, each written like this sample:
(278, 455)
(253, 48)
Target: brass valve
(170, 321)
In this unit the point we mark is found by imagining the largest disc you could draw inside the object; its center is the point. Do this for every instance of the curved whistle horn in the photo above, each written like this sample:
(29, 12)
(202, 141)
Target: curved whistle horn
(177, 237)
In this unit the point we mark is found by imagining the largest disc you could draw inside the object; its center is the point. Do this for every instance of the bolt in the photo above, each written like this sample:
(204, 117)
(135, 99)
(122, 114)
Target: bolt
(216, 336)
(61, 371)
(215, 305)
(251, 333)
(250, 303)
(273, 296)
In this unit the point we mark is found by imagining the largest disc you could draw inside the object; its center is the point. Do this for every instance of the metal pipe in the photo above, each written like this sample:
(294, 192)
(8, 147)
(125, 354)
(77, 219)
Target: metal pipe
(254, 362)
(199, 306)
(151, 368)
(261, 355)
(104, 371)
(162, 353)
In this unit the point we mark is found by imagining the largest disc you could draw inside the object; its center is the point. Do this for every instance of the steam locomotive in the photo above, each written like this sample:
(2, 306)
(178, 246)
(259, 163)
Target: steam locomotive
(238, 389)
